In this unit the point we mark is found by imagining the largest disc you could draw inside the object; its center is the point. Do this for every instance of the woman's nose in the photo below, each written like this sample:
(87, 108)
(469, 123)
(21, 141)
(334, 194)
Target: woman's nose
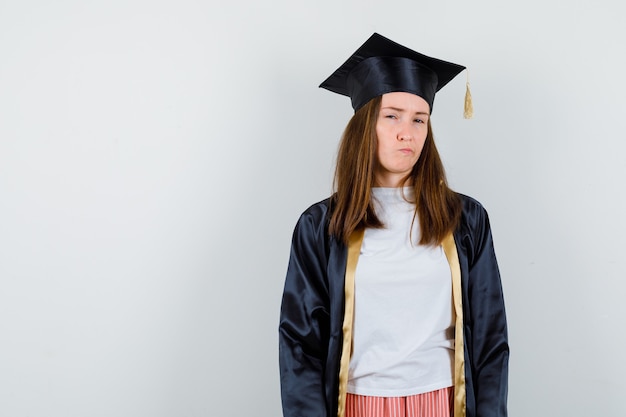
(405, 134)
(405, 137)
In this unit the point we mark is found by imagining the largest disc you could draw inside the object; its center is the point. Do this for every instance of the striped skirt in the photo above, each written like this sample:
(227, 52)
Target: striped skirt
(438, 403)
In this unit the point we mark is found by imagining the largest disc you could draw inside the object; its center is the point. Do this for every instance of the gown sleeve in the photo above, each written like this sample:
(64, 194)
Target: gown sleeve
(487, 328)
(304, 322)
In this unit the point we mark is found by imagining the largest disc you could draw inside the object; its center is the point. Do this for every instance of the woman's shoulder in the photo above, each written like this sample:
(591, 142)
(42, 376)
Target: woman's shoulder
(316, 215)
(470, 204)
(312, 226)
(317, 211)
(473, 212)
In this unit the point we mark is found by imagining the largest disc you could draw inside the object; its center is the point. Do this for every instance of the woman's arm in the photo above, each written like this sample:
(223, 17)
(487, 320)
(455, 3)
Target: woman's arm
(489, 348)
(304, 324)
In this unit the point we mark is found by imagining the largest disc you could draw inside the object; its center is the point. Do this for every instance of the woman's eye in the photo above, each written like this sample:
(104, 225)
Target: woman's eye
(390, 116)
(419, 121)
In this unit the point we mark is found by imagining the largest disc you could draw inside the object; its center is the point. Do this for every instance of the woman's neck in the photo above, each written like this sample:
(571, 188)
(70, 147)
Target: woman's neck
(392, 181)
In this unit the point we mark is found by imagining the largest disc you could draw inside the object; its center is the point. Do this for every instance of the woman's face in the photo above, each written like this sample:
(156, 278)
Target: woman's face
(401, 129)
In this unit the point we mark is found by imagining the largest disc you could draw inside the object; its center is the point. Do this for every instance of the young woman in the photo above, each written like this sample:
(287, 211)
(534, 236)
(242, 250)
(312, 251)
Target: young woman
(393, 304)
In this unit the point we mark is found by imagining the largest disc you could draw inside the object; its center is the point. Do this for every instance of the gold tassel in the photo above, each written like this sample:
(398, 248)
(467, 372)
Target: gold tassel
(468, 111)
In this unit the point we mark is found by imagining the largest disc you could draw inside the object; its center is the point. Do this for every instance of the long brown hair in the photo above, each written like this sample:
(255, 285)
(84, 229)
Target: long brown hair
(437, 207)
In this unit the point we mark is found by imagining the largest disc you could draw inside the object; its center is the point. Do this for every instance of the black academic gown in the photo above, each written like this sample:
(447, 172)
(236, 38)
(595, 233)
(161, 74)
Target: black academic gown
(311, 330)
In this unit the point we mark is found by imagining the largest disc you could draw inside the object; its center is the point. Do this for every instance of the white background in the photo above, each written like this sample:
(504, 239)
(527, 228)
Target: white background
(155, 156)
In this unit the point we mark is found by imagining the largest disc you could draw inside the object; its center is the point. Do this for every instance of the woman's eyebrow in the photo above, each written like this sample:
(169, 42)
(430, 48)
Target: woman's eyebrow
(392, 108)
(401, 110)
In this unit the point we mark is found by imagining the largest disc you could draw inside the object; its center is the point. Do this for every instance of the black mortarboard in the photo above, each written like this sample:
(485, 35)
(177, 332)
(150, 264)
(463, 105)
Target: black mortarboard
(382, 66)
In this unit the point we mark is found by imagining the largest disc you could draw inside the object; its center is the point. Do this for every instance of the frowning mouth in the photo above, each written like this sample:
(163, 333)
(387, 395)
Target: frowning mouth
(406, 151)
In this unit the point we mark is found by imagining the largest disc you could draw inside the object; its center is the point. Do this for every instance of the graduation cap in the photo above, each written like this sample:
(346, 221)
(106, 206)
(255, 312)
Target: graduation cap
(382, 66)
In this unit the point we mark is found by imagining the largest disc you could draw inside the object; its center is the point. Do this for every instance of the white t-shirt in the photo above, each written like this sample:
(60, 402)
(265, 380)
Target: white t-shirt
(403, 324)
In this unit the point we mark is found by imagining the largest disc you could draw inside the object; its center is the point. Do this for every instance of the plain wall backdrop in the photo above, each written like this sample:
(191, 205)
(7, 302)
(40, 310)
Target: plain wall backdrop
(155, 156)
